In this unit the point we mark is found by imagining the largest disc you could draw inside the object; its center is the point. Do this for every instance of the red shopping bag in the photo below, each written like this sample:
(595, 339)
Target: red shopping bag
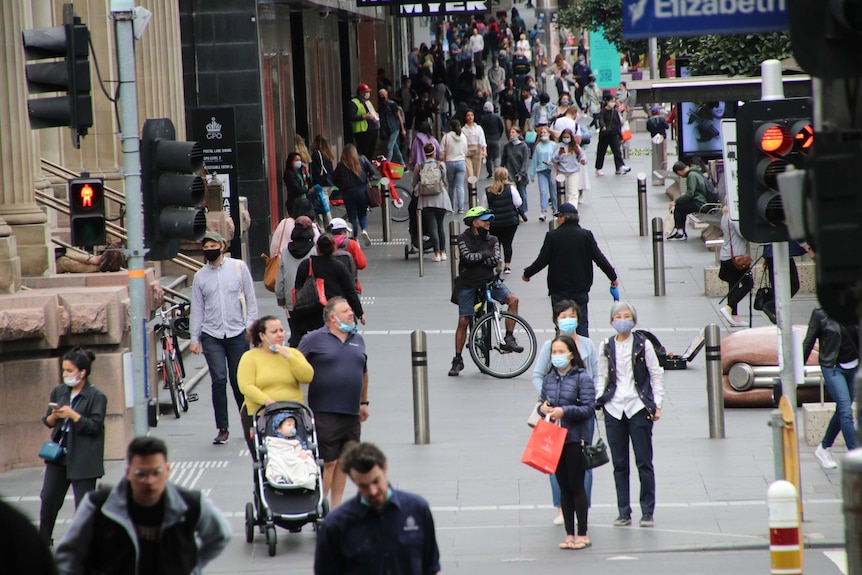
(545, 447)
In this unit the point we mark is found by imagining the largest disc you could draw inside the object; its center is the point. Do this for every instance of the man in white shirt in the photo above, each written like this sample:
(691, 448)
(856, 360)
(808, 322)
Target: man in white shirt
(630, 390)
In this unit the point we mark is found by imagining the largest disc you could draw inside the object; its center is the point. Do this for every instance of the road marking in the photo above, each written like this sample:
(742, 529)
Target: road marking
(839, 557)
(186, 474)
(622, 558)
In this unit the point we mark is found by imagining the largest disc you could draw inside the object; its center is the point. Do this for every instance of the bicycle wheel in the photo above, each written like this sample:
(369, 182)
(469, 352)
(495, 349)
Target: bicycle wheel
(182, 398)
(486, 340)
(400, 214)
(169, 375)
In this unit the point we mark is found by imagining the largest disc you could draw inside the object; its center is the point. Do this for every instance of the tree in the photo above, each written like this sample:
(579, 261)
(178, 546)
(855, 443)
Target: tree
(732, 55)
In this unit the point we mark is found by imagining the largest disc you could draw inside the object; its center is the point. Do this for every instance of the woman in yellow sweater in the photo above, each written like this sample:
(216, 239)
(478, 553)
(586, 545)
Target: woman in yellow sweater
(269, 372)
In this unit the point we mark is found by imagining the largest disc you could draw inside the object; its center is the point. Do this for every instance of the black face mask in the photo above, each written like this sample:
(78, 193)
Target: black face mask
(212, 255)
(483, 232)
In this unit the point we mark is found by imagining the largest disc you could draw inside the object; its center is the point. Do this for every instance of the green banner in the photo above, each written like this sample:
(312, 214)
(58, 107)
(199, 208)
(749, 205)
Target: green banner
(604, 61)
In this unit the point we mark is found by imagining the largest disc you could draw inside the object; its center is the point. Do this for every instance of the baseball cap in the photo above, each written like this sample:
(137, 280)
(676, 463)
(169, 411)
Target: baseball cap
(304, 222)
(566, 208)
(213, 236)
(338, 224)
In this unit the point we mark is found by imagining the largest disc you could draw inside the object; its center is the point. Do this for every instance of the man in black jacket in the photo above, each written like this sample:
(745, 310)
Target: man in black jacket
(569, 253)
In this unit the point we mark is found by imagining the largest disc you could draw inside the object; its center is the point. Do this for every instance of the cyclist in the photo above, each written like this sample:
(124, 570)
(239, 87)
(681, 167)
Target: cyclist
(480, 255)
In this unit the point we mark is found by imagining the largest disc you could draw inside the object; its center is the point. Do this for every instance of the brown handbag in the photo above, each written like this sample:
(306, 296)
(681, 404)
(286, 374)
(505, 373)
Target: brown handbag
(270, 274)
(741, 262)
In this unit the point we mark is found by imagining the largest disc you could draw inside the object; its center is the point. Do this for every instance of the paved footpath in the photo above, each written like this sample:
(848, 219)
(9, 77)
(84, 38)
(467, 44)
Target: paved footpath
(493, 513)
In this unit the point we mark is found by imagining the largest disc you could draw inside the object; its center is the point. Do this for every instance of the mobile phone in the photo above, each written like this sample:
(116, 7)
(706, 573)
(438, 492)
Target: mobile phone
(53, 405)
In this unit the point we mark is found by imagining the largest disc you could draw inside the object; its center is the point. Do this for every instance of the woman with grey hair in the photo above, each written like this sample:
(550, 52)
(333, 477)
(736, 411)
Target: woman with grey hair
(630, 390)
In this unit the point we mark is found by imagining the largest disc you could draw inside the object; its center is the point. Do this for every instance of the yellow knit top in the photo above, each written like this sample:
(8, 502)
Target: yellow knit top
(265, 375)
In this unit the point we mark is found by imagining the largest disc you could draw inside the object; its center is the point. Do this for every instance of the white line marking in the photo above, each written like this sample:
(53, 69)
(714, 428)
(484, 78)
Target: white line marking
(839, 557)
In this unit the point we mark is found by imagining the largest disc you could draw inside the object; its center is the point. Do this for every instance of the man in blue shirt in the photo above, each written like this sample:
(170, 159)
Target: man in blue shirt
(338, 394)
(381, 530)
(223, 308)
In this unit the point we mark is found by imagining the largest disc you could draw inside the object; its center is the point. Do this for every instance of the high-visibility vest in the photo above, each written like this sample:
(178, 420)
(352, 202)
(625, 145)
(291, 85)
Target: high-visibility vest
(359, 126)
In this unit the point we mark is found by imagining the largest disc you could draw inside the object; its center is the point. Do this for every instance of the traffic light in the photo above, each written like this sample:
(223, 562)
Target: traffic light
(772, 136)
(825, 37)
(87, 212)
(172, 189)
(72, 75)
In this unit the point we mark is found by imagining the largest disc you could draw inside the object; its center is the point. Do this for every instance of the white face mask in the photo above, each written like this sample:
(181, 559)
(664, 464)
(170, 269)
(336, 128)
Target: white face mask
(71, 381)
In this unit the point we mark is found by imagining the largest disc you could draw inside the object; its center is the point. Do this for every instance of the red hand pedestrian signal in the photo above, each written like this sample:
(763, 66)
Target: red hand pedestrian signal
(87, 212)
(86, 197)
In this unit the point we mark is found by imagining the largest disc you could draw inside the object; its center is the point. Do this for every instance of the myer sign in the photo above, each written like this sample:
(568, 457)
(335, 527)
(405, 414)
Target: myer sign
(662, 18)
(429, 8)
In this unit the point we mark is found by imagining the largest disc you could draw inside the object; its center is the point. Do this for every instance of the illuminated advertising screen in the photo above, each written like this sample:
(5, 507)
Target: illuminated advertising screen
(700, 127)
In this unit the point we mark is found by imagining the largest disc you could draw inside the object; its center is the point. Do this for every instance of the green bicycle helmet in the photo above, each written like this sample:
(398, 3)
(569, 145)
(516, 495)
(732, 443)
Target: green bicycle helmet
(478, 212)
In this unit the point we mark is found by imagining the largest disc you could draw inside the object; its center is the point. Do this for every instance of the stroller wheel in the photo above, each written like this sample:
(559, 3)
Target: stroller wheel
(406, 252)
(249, 522)
(270, 540)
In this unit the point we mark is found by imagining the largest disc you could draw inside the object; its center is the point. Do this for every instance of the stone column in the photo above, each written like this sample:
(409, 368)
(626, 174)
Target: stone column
(18, 207)
(160, 68)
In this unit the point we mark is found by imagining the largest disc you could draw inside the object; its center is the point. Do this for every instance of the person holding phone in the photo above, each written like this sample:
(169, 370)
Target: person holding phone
(76, 416)
(568, 160)
(269, 372)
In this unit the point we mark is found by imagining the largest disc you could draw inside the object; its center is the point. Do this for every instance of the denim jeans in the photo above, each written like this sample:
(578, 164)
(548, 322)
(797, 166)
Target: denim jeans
(522, 190)
(393, 151)
(638, 430)
(356, 204)
(223, 357)
(545, 194)
(839, 382)
(456, 173)
(588, 477)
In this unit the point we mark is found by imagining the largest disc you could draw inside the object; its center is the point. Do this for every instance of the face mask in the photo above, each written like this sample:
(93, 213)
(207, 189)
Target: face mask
(212, 255)
(366, 96)
(560, 360)
(623, 325)
(272, 347)
(566, 140)
(564, 103)
(514, 140)
(346, 327)
(568, 325)
(71, 381)
(545, 138)
(297, 165)
(483, 232)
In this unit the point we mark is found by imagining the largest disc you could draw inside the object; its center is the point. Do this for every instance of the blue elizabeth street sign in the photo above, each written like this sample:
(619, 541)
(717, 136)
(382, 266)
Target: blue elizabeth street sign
(662, 18)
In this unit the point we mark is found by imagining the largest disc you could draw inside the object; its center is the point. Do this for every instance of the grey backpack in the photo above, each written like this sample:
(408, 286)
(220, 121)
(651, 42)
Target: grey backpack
(430, 179)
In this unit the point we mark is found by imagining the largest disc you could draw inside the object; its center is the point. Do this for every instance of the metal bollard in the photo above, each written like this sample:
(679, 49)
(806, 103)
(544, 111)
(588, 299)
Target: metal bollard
(714, 395)
(472, 192)
(659, 163)
(384, 209)
(454, 254)
(776, 422)
(851, 485)
(561, 190)
(658, 256)
(421, 242)
(421, 424)
(785, 531)
(642, 204)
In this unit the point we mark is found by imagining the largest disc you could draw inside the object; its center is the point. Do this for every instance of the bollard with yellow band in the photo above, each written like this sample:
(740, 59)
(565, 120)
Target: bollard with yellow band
(785, 532)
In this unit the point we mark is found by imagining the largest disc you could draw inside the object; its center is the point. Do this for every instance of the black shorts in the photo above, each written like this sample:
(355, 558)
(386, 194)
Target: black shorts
(334, 431)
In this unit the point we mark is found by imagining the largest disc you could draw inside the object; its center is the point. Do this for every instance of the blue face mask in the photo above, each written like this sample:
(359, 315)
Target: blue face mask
(297, 165)
(514, 140)
(560, 360)
(545, 138)
(365, 501)
(346, 327)
(623, 325)
(568, 325)
(566, 140)
(271, 347)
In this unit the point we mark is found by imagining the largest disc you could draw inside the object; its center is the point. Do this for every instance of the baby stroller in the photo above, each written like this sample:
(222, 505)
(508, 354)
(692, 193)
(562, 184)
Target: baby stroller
(288, 506)
(412, 248)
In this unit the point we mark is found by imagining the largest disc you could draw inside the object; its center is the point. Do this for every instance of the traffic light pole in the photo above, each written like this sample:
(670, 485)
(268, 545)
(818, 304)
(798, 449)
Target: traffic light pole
(123, 13)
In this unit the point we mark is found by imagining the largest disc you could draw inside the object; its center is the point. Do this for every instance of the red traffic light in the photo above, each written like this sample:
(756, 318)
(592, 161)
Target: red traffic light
(774, 140)
(86, 195)
(803, 136)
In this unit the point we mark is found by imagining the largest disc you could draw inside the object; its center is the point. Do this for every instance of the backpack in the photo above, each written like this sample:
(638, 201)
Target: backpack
(346, 258)
(660, 351)
(711, 192)
(430, 179)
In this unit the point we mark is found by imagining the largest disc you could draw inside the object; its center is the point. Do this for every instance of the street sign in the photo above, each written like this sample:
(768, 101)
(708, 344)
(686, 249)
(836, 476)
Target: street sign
(663, 18)
(731, 165)
(441, 8)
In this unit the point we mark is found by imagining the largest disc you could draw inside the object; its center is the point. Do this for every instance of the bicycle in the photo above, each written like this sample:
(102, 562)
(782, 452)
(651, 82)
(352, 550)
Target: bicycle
(398, 193)
(170, 367)
(486, 338)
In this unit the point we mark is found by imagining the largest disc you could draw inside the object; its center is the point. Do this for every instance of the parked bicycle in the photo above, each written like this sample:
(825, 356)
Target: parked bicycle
(399, 194)
(486, 340)
(174, 324)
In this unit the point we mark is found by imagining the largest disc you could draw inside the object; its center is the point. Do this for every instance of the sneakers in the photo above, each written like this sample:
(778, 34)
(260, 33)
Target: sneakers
(436, 258)
(443, 256)
(623, 520)
(647, 520)
(222, 437)
(507, 270)
(599, 173)
(824, 456)
(542, 217)
(678, 236)
(511, 344)
(624, 170)
(558, 520)
(725, 313)
(366, 239)
(457, 366)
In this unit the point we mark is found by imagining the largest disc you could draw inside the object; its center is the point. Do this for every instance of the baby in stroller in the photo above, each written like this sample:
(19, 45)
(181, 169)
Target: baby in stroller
(289, 460)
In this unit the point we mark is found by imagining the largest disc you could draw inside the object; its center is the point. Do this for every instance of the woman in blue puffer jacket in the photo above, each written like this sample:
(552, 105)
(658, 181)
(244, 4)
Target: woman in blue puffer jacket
(569, 398)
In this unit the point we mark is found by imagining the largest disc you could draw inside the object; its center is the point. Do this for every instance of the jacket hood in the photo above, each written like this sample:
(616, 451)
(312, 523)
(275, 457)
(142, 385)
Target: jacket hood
(300, 248)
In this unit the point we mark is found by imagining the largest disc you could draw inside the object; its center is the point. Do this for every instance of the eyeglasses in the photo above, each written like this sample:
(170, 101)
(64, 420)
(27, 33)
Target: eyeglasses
(142, 474)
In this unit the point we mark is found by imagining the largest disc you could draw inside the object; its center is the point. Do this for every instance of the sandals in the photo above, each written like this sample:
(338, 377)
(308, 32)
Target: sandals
(575, 545)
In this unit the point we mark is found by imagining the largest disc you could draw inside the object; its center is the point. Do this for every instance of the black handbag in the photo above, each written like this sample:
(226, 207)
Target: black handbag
(763, 297)
(595, 455)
